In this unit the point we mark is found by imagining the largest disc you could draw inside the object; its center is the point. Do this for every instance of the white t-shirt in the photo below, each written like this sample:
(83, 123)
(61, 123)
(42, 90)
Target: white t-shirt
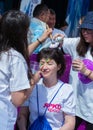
(13, 77)
(55, 31)
(63, 102)
(83, 91)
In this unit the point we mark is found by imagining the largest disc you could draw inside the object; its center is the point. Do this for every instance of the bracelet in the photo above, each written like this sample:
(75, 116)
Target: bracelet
(89, 73)
(39, 41)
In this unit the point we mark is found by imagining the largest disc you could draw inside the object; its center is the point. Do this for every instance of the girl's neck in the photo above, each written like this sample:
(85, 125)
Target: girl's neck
(49, 83)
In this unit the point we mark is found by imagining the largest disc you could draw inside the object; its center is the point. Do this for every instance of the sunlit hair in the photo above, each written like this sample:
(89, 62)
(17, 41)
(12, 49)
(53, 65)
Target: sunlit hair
(54, 54)
(83, 46)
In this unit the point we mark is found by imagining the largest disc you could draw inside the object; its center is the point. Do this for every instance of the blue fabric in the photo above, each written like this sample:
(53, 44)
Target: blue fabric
(76, 9)
(2, 7)
(40, 123)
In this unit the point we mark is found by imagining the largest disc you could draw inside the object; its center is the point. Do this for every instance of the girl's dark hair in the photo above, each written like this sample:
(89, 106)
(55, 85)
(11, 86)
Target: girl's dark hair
(13, 32)
(56, 55)
(83, 47)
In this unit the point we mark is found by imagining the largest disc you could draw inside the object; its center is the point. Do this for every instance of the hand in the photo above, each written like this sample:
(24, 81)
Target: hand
(58, 35)
(45, 35)
(37, 76)
(78, 65)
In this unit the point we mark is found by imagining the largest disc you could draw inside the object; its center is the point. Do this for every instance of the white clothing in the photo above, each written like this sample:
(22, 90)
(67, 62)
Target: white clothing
(83, 92)
(13, 77)
(58, 40)
(63, 102)
(55, 31)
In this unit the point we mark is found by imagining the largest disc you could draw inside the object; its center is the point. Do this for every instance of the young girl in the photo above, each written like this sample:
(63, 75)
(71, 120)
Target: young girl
(14, 66)
(60, 113)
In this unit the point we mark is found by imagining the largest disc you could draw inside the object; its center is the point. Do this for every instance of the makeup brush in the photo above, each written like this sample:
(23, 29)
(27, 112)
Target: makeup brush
(50, 36)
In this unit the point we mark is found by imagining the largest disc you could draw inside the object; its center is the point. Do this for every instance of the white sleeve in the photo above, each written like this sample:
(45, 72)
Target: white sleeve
(19, 75)
(69, 104)
(69, 45)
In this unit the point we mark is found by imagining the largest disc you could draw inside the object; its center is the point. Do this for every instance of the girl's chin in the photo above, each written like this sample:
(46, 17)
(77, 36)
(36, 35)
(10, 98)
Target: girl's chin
(87, 40)
(46, 76)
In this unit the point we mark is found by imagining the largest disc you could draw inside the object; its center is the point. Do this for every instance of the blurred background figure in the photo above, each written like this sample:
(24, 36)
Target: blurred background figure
(37, 29)
(38, 26)
(64, 27)
(52, 21)
(75, 11)
(27, 6)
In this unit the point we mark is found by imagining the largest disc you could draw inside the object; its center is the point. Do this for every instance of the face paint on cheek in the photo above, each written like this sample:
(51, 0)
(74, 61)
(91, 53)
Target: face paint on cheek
(41, 68)
(41, 65)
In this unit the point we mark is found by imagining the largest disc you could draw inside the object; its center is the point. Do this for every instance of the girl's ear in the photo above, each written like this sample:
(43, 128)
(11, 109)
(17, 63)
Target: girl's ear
(58, 67)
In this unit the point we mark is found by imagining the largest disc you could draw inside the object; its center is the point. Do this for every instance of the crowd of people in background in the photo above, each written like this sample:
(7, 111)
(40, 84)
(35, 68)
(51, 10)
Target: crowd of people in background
(37, 93)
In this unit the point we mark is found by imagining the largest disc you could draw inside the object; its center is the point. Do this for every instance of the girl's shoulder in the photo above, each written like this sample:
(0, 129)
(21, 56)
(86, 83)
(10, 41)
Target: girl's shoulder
(15, 56)
(66, 87)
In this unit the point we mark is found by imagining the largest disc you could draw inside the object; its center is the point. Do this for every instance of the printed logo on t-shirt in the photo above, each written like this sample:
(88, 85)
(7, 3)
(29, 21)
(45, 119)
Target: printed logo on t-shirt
(52, 107)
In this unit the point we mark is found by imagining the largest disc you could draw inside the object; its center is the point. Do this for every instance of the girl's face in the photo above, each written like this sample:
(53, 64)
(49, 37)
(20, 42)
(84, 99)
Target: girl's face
(88, 35)
(49, 68)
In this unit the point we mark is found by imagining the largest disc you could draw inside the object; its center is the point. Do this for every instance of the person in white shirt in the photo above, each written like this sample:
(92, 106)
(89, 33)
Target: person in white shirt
(15, 72)
(81, 75)
(61, 111)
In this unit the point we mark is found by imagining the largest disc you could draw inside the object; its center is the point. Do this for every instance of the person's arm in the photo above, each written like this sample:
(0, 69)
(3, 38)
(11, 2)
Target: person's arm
(32, 46)
(88, 73)
(18, 97)
(23, 118)
(69, 122)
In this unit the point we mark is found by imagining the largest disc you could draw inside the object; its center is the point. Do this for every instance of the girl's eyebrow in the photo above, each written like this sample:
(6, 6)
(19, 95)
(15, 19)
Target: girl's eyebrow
(46, 60)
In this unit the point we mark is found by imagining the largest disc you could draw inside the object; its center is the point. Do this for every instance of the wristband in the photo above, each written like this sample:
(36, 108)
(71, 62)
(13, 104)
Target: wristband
(89, 73)
(39, 41)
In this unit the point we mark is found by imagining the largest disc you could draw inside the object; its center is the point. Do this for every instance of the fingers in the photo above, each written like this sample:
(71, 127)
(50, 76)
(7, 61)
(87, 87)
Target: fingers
(46, 34)
(58, 35)
(78, 65)
(37, 76)
(49, 31)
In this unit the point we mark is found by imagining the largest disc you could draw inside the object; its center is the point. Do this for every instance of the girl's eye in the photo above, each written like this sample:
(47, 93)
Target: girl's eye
(50, 64)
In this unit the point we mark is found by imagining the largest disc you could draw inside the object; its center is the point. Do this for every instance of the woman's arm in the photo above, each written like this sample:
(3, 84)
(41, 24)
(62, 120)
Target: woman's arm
(19, 97)
(69, 123)
(88, 73)
(23, 118)
(41, 39)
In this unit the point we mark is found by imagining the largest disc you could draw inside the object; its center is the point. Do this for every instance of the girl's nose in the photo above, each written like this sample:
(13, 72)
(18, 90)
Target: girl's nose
(44, 67)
